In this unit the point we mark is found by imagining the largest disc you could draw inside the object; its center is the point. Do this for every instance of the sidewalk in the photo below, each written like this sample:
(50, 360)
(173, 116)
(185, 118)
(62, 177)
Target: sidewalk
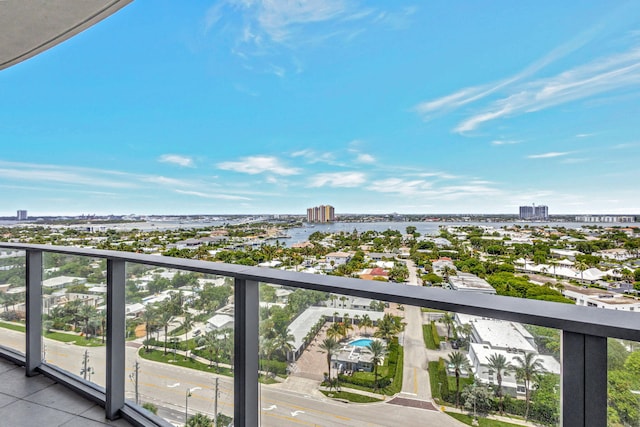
(503, 418)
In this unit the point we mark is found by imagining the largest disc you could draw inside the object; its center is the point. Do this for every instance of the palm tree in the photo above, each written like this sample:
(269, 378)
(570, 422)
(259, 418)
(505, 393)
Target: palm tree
(356, 321)
(528, 367)
(448, 320)
(283, 341)
(388, 327)
(329, 345)
(212, 345)
(378, 351)
(333, 299)
(186, 324)
(149, 317)
(85, 314)
(554, 263)
(335, 330)
(346, 321)
(581, 266)
(343, 299)
(366, 322)
(448, 271)
(163, 321)
(459, 362)
(498, 363)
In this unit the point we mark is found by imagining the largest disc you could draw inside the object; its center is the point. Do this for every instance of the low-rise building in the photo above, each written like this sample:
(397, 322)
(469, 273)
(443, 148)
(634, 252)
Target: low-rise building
(595, 297)
(62, 282)
(218, 322)
(338, 258)
(467, 282)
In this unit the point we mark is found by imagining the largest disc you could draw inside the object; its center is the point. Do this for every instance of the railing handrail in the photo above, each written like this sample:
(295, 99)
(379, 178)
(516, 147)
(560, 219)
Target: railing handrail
(570, 318)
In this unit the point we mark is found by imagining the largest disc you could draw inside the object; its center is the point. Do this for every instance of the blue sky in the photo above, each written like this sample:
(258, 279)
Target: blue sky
(247, 106)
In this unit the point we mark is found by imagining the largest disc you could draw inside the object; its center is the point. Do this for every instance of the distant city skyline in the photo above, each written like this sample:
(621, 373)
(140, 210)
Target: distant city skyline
(374, 107)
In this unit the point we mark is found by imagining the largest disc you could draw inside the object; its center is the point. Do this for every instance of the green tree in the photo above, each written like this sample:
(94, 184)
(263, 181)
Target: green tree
(330, 346)
(164, 320)
(149, 318)
(186, 324)
(499, 364)
(448, 320)
(366, 322)
(199, 420)
(459, 362)
(150, 407)
(581, 266)
(528, 366)
(378, 351)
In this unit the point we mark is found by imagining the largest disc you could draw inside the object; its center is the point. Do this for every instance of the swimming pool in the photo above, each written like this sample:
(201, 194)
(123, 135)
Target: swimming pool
(362, 342)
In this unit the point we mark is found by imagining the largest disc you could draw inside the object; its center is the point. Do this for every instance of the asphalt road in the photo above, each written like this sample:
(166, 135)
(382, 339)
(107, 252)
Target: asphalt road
(166, 386)
(415, 382)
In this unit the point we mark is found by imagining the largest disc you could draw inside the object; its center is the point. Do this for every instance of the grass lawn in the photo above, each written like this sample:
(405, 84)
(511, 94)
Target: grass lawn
(482, 422)
(351, 397)
(76, 339)
(59, 336)
(427, 335)
(266, 380)
(159, 356)
(19, 328)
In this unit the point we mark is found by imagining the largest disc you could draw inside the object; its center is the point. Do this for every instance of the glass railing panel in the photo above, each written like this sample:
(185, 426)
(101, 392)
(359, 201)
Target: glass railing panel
(12, 299)
(74, 295)
(179, 351)
(316, 357)
(623, 374)
(317, 352)
(514, 367)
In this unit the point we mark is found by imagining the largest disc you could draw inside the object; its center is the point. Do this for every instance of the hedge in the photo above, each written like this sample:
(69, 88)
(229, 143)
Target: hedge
(434, 333)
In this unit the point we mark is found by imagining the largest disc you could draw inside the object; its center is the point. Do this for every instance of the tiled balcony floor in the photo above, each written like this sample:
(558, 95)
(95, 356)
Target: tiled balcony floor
(40, 401)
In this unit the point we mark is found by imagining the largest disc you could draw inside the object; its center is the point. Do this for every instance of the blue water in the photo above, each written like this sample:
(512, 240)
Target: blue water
(363, 342)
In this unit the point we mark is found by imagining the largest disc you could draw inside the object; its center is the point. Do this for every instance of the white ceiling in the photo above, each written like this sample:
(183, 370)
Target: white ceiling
(28, 27)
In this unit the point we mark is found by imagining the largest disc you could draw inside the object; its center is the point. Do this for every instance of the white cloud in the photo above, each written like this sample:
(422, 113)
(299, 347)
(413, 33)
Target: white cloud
(365, 158)
(574, 160)
(278, 17)
(504, 142)
(71, 175)
(548, 155)
(338, 179)
(599, 76)
(176, 159)
(254, 165)
(211, 196)
(584, 135)
(164, 181)
(312, 156)
(401, 186)
(441, 175)
(426, 189)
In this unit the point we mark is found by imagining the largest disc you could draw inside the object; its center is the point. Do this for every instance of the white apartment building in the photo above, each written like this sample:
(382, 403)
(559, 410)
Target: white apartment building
(594, 297)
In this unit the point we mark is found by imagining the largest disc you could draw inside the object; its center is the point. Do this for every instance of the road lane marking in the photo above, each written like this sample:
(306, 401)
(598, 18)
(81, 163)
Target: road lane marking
(318, 412)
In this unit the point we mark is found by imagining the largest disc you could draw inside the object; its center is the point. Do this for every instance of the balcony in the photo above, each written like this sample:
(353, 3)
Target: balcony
(584, 333)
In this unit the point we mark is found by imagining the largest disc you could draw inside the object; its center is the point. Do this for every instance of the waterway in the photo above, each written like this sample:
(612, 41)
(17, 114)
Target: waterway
(301, 234)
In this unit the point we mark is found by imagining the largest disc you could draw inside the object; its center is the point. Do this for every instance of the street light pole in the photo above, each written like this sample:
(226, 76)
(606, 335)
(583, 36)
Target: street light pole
(186, 402)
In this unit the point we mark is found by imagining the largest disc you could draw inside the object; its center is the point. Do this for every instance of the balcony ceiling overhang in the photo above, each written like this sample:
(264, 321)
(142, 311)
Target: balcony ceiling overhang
(28, 27)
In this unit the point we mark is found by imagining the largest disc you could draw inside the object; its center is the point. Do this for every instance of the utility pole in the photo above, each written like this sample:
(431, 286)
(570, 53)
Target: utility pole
(85, 361)
(215, 404)
(134, 377)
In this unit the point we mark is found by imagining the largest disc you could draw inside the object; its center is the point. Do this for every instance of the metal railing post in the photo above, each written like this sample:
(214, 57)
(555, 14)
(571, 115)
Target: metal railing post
(584, 380)
(34, 311)
(247, 318)
(115, 338)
